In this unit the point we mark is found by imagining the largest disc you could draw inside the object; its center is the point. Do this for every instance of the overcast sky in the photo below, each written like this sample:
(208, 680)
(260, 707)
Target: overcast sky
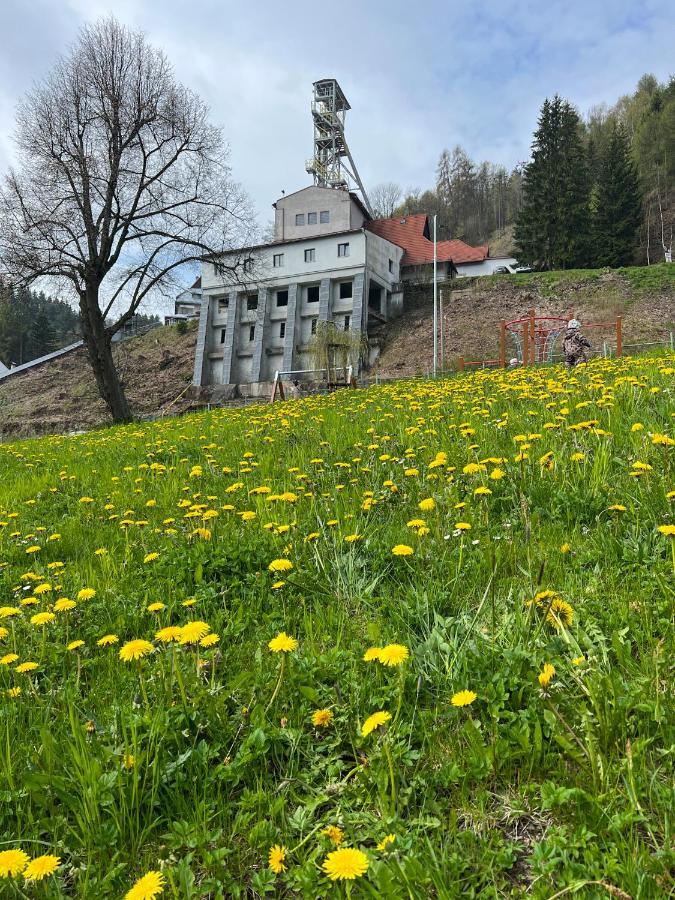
(419, 76)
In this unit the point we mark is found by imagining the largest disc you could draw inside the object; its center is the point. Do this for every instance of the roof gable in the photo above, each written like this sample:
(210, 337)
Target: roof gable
(412, 234)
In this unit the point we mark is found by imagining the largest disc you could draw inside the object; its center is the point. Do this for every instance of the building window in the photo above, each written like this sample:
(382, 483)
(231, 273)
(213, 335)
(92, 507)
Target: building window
(299, 218)
(314, 321)
(310, 255)
(311, 218)
(343, 249)
(391, 265)
(223, 303)
(279, 260)
(345, 290)
(282, 298)
(282, 329)
(248, 264)
(222, 335)
(251, 302)
(313, 293)
(324, 216)
(347, 321)
(251, 333)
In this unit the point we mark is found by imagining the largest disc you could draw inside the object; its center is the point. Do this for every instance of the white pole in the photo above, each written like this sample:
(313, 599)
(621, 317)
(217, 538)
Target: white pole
(435, 304)
(440, 316)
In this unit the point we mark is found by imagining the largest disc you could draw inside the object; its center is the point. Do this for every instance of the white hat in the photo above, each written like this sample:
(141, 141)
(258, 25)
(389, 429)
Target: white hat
(574, 323)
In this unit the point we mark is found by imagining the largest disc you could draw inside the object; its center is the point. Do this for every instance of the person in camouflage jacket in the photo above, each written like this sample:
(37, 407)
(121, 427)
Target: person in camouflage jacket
(575, 344)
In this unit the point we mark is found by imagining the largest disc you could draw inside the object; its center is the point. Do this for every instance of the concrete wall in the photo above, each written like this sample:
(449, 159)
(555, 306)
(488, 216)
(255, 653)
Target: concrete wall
(486, 267)
(344, 214)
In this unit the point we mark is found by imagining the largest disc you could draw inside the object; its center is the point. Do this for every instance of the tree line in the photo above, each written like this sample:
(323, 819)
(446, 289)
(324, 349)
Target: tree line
(33, 324)
(597, 191)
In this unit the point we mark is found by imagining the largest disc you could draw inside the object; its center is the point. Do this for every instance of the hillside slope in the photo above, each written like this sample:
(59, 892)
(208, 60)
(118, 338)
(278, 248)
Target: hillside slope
(61, 396)
(472, 311)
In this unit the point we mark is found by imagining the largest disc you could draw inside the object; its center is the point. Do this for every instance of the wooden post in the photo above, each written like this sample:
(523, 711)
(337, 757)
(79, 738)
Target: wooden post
(502, 343)
(619, 335)
(461, 364)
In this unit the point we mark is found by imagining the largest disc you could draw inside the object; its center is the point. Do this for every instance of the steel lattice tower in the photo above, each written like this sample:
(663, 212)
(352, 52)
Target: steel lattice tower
(332, 164)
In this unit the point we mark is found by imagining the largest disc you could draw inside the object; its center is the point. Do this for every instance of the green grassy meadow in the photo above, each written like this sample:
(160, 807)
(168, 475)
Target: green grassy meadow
(496, 545)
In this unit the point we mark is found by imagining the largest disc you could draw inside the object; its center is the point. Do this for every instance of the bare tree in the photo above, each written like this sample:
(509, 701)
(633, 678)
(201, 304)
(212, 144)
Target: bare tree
(121, 185)
(384, 199)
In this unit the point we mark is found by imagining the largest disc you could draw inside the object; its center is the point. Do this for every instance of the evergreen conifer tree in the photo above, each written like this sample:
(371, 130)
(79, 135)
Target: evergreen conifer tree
(617, 207)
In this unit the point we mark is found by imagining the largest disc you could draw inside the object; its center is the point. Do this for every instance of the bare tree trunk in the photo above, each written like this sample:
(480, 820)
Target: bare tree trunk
(98, 344)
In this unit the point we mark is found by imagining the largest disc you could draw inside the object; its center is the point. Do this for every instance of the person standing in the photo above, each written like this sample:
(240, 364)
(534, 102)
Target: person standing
(575, 344)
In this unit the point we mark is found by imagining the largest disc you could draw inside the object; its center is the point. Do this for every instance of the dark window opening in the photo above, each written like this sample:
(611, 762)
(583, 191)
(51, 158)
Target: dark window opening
(347, 321)
(251, 333)
(313, 294)
(252, 302)
(282, 329)
(222, 335)
(314, 321)
(391, 265)
(282, 298)
(223, 303)
(346, 290)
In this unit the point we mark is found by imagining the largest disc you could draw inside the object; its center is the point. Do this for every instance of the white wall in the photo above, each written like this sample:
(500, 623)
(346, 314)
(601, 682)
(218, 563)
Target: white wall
(344, 213)
(486, 267)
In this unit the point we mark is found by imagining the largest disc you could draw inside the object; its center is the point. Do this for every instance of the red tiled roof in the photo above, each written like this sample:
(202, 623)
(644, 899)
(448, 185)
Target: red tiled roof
(412, 234)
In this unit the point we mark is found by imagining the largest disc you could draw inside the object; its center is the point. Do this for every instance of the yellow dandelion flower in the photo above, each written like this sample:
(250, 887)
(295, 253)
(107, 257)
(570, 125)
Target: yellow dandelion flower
(386, 841)
(394, 654)
(86, 594)
(280, 565)
(193, 632)
(12, 862)
(334, 833)
(107, 640)
(150, 557)
(282, 643)
(372, 654)
(276, 858)
(156, 607)
(278, 585)
(8, 659)
(150, 886)
(64, 604)
(13, 692)
(402, 550)
(75, 645)
(43, 618)
(136, 649)
(462, 526)
(321, 718)
(352, 538)
(345, 864)
(168, 634)
(210, 640)
(668, 530)
(559, 613)
(26, 667)
(374, 721)
(463, 698)
(7, 612)
(578, 660)
(41, 867)
(546, 675)
(42, 588)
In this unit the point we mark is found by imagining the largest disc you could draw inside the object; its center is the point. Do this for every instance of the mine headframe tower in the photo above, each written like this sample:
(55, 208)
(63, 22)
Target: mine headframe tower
(332, 164)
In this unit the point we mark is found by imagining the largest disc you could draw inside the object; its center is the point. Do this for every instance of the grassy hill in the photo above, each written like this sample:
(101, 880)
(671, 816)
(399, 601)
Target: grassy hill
(645, 297)
(406, 642)
(62, 396)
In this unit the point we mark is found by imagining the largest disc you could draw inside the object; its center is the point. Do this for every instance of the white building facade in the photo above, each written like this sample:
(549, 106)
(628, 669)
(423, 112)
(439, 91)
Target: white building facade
(322, 266)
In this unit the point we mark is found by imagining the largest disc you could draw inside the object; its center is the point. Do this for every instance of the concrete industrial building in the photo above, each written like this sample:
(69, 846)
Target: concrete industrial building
(329, 261)
(324, 265)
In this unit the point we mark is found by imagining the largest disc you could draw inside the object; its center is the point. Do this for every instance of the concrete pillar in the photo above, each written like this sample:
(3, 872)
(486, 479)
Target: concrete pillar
(324, 300)
(261, 327)
(229, 347)
(292, 325)
(199, 376)
(359, 302)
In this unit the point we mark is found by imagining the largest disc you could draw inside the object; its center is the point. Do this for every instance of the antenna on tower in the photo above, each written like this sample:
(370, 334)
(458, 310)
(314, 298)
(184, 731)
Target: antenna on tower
(329, 165)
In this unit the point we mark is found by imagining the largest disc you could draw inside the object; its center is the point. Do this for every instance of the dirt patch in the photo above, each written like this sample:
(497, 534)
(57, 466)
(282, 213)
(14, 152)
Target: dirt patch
(61, 396)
